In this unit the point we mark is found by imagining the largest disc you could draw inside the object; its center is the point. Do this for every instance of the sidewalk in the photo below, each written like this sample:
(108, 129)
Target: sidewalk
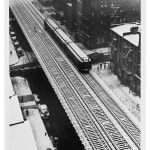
(122, 92)
(40, 134)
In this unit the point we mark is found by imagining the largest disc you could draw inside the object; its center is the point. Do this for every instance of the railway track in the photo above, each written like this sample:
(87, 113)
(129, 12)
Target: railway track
(97, 127)
(67, 94)
(129, 127)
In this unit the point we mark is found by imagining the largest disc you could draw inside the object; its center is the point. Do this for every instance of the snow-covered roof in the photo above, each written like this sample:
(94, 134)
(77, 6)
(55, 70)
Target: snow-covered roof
(10, 89)
(21, 137)
(15, 114)
(132, 38)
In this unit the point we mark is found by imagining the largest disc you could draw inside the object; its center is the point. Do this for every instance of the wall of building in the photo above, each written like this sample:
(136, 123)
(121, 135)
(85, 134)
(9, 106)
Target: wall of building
(125, 62)
(92, 19)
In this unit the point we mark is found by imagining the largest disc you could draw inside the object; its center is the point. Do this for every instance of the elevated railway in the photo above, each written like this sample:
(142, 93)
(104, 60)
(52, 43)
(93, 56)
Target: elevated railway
(84, 104)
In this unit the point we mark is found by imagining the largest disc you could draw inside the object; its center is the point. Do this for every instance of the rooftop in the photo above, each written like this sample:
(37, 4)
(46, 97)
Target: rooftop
(125, 28)
(21, 137)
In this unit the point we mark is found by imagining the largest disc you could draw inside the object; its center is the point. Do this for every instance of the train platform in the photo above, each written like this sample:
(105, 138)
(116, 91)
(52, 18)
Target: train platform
(13, 58)
(121, 92)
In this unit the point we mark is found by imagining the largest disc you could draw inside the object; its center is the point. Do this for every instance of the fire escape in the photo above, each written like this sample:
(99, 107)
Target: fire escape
(114, 14)
(128, 51)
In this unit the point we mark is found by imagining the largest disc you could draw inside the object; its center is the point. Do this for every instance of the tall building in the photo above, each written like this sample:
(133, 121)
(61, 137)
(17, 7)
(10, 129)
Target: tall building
(95, 17)
(92, 19)
(93, 22)
(125, 54)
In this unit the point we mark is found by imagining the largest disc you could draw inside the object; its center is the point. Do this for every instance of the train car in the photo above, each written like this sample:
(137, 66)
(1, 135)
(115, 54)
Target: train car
(82, 62)
(62, 36)
(50, 26)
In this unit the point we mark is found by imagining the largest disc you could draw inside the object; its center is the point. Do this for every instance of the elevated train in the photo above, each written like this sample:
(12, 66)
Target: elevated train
(82, 62)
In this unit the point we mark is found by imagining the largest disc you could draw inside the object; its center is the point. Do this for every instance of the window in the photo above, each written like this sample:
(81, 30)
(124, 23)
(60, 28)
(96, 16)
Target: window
(112, 5)
(92, 13)
(117, 57)
(123, 61)
(129, 66)
(102, 12)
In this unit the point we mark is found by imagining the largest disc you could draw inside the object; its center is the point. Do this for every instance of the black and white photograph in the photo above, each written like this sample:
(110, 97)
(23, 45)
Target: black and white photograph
(75, 75)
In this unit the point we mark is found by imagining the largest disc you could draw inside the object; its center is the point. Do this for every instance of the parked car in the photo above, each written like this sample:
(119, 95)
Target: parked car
(16, 44)
(12, 33)
(20, 52)
(14, 38)
(43, 110)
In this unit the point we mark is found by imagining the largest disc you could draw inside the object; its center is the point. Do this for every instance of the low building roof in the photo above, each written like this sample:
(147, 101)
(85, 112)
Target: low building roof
(21, 137)
(124, 28)
(10, 89)
(15, 113)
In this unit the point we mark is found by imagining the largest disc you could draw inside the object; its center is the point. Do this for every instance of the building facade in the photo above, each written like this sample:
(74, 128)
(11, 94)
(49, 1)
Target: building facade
(92, 19)
(93, 22)
(125, 55)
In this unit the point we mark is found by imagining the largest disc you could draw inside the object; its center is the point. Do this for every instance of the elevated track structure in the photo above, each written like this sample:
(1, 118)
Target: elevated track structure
(97, 119)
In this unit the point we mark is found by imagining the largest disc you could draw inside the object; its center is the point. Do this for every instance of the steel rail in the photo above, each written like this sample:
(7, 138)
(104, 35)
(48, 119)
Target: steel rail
(123, 120)
(78, 109)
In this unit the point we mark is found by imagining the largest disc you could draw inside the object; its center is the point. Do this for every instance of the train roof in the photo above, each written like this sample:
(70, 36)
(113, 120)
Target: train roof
(63, 35)
(52, 23)
(78, 51)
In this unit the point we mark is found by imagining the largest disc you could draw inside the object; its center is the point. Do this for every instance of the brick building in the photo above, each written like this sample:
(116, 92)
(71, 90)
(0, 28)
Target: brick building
(125, 54)
(92, 22)
(92, 19)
